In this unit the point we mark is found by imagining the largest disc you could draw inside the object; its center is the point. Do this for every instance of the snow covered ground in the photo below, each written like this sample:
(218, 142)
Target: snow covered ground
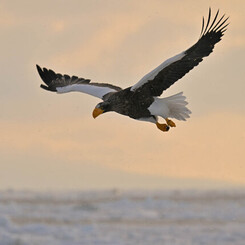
(117, 217)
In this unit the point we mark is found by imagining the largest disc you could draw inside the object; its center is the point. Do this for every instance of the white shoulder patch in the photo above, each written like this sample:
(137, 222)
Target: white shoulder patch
(153, 73)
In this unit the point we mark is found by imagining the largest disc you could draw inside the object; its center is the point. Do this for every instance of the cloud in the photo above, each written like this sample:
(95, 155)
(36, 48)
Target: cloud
(121, 41)
(207, 147)
(101, 42)
(7, 18)
(58, 25)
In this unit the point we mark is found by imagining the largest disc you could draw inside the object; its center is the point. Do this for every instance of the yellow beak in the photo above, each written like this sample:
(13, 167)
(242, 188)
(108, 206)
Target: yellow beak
(97, 112)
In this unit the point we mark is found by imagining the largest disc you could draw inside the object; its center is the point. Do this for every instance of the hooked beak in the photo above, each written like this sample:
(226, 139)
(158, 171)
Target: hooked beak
(97, 112)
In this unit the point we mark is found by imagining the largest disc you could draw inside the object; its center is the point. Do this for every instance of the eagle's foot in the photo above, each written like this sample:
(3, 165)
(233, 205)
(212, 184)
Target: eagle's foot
(163, 127)
(170, 123)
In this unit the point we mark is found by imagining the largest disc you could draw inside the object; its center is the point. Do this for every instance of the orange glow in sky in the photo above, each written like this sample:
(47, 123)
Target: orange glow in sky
(51, 141)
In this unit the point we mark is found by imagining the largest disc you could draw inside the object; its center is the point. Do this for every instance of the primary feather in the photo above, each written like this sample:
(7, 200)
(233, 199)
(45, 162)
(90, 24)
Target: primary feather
(63, 84)
(176, 67)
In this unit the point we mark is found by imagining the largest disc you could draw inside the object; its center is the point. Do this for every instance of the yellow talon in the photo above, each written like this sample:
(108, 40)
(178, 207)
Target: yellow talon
(163, 127)
(170, 122)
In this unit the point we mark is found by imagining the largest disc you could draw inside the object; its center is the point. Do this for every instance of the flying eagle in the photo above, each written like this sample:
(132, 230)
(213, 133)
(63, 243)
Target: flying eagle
(141, 101)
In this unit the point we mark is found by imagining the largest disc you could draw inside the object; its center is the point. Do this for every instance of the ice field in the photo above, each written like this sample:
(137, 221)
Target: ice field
(122, 217)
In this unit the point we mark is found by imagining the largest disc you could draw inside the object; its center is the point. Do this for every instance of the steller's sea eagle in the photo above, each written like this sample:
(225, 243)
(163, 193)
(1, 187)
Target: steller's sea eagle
(141, 100)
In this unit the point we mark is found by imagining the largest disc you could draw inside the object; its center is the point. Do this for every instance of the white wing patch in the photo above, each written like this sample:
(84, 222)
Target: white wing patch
(153, 73)
(96, 91)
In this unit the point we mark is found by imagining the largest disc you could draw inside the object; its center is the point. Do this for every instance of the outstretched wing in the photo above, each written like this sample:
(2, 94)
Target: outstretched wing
(170, 71)
(63, 84)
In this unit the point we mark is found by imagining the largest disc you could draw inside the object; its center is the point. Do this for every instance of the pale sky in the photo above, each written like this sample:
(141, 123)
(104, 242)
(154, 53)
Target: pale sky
(51, 141)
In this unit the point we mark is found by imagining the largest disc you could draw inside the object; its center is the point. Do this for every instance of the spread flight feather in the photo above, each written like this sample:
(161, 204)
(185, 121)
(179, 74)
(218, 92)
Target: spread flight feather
(140, 101)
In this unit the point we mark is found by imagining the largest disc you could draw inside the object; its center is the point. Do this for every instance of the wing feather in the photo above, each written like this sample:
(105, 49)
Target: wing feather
(154, 83)
(56, 82)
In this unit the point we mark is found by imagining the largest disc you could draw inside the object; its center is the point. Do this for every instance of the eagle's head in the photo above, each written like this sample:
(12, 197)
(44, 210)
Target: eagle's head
(101, 108)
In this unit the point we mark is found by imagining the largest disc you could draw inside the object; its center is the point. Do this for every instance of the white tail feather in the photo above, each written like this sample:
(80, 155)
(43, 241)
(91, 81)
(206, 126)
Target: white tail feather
(173, 106)
(177, 106)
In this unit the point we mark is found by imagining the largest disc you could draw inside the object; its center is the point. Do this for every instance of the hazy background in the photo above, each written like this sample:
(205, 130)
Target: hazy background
(50, 141)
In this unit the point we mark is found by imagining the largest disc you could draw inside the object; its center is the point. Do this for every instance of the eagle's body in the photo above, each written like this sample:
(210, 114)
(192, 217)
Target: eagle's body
(122, 101)
(142, 101)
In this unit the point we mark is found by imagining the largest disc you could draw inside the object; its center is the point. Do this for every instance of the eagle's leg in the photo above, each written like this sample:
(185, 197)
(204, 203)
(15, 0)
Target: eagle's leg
(163, 127)
(170, 122)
